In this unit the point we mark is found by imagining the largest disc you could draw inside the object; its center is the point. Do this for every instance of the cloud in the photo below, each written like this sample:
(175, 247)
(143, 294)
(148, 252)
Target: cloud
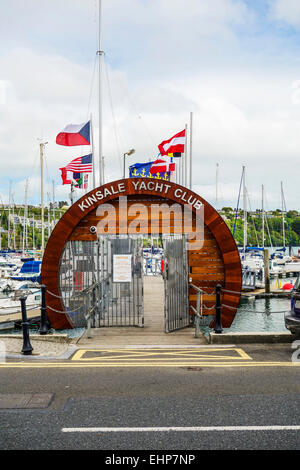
(285, 11)
(161, 62)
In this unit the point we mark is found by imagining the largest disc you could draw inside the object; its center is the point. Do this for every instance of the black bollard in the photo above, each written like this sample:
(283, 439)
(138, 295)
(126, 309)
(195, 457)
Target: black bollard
(44, 319)
(218, 325)
(27, 348)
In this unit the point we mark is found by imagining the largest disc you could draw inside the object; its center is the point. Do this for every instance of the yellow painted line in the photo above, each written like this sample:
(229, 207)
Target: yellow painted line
(121, 354)
(163, 364)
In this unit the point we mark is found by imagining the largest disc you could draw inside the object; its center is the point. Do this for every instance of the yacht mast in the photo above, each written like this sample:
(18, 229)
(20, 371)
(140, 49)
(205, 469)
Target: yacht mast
(42, 147)
(245, 209)
(282, 211)
(9, 202)
(33, 224)
(263, 216)
(25, 219)
(53, 199)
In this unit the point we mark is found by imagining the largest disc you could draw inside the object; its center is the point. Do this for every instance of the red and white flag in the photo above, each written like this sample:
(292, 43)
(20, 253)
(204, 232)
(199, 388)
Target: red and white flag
(160, 166)
(74, 134)
(173, 145)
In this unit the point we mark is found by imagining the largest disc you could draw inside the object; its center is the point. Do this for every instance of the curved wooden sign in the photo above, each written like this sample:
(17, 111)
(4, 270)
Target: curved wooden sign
(215, 260)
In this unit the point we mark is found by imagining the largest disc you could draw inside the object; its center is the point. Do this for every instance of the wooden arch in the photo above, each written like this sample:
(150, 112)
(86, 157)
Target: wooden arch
(218, 261)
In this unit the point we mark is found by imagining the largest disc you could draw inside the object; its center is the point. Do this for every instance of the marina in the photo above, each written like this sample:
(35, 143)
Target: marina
(130, 221)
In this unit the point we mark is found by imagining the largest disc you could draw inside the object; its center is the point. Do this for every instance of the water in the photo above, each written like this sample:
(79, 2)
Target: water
(260, 315)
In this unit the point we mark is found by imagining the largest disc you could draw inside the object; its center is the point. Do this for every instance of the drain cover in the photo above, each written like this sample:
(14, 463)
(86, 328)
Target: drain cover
(25, 400)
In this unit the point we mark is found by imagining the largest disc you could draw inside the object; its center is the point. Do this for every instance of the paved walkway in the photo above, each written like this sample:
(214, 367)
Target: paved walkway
(153, 331)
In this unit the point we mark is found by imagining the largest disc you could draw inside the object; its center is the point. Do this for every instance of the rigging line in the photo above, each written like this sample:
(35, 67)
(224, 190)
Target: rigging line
(139, 116)
(91, 86)
(283, 198)
(267, 224)
(113, 113)
(266, 219)
(252, 218)
(237, 206)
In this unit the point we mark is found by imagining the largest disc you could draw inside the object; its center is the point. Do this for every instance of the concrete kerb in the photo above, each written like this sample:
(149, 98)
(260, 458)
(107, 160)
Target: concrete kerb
(252, 338)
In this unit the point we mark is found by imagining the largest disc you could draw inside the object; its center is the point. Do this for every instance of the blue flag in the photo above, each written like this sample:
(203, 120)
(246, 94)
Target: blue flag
(142, 170)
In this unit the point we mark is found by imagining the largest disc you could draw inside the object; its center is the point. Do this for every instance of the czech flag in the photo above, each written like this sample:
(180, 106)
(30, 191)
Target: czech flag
(160, 166)
(74, 134)
(173, 145)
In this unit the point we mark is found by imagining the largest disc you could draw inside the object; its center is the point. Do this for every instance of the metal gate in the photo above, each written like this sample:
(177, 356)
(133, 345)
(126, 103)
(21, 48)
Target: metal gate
(121, 281)
(176, 284)
(103, 282)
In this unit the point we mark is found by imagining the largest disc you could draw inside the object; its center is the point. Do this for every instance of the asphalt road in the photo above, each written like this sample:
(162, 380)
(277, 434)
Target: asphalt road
(182, 408)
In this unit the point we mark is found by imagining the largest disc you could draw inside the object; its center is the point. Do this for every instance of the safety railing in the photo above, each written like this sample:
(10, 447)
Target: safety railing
(200, 306)
(198, 311)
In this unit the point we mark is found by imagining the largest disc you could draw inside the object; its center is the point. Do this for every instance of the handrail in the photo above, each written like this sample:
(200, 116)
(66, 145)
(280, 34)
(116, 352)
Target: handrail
(196, 288)
(199, 309)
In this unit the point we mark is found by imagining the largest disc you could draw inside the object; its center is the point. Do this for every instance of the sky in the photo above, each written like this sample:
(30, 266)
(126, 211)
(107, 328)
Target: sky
(233, 64)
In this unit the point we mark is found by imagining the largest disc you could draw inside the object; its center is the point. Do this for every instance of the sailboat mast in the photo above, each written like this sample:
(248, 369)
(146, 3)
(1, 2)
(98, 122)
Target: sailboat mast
(42, 146)
(245, 209)
(14, 231)
(9, 202)
(282, 211)
(263, 216)
(53, 207)
(33, 224)
(25, 219)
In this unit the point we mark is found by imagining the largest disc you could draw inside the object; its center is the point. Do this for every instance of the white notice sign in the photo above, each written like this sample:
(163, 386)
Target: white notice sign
(122, 268)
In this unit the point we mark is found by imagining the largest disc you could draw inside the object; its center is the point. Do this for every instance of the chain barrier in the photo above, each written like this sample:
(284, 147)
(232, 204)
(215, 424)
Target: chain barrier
(228, 306)
(54, 295)
(209, 294)
(63, 312)
(231, 291)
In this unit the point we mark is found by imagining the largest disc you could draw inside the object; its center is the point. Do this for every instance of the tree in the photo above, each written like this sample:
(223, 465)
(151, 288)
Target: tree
(296, 225)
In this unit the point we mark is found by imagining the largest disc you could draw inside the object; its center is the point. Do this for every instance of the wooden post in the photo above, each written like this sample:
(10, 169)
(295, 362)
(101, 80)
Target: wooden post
(267, 271)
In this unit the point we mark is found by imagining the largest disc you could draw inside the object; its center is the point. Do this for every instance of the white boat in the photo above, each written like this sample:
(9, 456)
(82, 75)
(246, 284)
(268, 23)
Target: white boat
(13, 304)
(274, 268)
(291, 267)
(8, 285)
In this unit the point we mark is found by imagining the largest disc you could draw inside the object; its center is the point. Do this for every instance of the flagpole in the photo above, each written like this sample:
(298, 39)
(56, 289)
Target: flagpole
(92, 145)
(185, 157)
(191, 146)
(100, 52)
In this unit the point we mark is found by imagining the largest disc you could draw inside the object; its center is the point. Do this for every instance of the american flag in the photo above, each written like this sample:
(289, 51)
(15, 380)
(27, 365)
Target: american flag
(81, 164)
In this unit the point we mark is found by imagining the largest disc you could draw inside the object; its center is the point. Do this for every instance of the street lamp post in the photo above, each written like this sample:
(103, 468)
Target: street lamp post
(130, 152)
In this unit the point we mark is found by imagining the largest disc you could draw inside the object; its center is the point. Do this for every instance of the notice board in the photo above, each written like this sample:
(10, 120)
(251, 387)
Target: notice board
(122, 270)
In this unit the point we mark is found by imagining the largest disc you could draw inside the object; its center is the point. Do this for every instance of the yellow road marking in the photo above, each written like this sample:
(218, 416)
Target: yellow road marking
(142, 355)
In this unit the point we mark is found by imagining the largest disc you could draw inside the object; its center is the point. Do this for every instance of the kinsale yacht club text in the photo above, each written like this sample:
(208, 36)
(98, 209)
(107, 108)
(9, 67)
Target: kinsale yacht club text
(160, 188)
